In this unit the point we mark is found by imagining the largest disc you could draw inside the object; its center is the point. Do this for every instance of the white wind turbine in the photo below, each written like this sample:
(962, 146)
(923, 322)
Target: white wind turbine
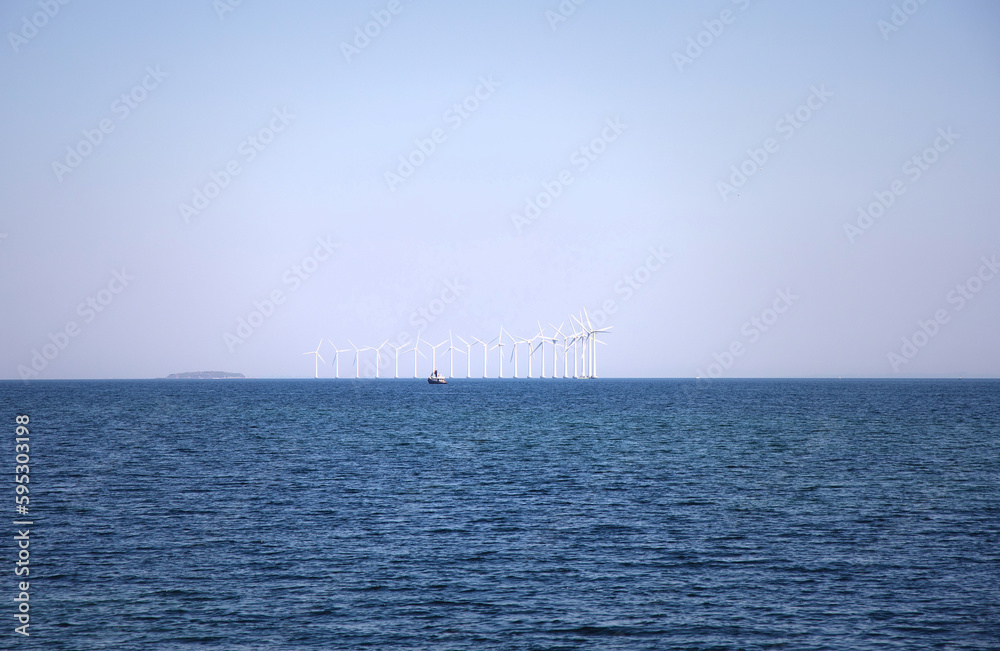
(593, 352)
(567, 338)
(357, 353)
(592, 335)
(336, 359)
(451, 355)
(395, 356)
(416, 351)
(575, 339)
(434, 350)
(499, 345)
(485, 345)
(584, 338)
(555, 340)
(530, 351)
(541, 344)
(468, 357)
(581, 337)
(514, 341)
(378, 355)
(318, 357)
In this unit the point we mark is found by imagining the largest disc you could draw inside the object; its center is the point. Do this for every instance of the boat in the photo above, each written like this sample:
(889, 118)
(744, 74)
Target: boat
(436, 378)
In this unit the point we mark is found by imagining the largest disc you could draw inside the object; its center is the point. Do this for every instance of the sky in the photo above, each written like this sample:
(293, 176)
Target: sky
(735, 188)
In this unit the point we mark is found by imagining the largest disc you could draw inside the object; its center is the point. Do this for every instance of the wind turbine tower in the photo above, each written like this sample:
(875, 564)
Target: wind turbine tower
(451, 355)
(485, 345)
(357, 353)
(541, 344)
(395, 356)
(378, 355)
(594, 348)
(555, 340)
(513, 355)
(468, 357)
(318, 357)
(499, 348)
(416, 351)
(336, 359)
(434, 353)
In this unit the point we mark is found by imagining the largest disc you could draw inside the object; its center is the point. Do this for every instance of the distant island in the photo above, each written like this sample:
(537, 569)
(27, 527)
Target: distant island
(204, 375)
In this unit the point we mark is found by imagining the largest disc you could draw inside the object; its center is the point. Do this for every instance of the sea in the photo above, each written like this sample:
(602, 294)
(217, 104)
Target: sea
(535, 514)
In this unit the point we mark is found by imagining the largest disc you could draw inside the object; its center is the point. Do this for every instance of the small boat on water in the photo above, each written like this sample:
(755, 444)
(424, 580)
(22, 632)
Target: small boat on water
(436, 378)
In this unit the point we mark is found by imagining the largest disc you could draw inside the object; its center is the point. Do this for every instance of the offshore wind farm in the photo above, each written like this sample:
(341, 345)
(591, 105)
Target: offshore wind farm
(574, 345)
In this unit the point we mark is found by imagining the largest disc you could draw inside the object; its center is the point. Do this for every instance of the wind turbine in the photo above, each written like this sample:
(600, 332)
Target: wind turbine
(558, 331)
(513, 355)
(592, 336)
(468, 357)
(575, 338)
(567, 338)
(357, 352)
(597, 341)
(318, 357)
(416, 351)
(531, 353)
(378, 355)
(434, 350)
(395, 357)
(336, 359)
(593, 352)
(527, 342)
(579, 369)
(485, 347)
(585, 337)
(451, 355)
(541, 344)
(499, 346)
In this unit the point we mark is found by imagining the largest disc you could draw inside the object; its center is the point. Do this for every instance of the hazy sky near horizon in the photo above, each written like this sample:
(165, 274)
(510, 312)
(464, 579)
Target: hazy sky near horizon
(777, 188)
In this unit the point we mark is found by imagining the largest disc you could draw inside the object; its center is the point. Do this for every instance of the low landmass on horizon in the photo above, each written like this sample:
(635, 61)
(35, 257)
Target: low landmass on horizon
(204, 375)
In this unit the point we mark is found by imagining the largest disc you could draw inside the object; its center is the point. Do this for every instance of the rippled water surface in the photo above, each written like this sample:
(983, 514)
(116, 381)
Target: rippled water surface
(533, 514)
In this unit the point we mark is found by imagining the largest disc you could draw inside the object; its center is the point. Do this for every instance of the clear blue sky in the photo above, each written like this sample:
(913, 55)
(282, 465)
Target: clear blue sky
(823, 105)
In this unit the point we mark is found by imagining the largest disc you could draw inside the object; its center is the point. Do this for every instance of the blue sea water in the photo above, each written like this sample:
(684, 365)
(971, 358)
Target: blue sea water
(501, 514)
